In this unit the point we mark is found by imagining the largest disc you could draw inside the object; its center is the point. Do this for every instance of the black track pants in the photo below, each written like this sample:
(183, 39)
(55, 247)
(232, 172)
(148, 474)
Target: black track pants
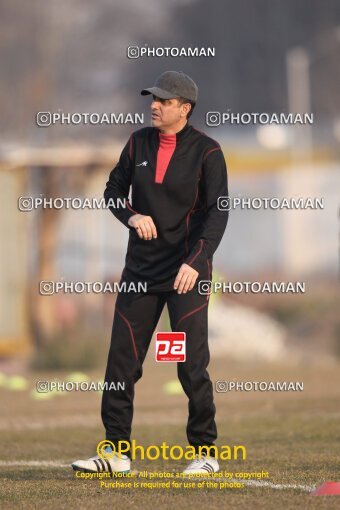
(135, 319)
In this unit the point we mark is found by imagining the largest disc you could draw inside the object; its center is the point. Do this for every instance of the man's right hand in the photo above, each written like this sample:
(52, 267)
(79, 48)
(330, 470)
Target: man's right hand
(144, 226)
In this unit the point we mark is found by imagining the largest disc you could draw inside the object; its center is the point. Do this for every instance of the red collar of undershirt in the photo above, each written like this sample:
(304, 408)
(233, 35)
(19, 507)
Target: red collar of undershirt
(167, 140)
(171, 139)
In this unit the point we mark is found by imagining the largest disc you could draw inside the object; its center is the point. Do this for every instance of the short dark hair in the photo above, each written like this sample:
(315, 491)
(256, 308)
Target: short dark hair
(182, 100)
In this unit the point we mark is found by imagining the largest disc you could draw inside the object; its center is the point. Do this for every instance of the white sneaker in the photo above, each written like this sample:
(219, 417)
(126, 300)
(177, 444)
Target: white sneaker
(201, 465)
(96, 464)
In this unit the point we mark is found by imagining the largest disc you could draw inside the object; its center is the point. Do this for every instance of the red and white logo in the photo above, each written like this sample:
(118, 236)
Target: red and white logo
(170, 346)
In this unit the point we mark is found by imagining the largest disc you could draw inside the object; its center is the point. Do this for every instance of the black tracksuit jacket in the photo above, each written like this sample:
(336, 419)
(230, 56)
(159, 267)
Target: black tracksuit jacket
(183, 207)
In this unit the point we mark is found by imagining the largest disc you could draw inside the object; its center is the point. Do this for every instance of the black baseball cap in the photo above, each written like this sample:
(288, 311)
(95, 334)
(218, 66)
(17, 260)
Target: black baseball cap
(172, 84)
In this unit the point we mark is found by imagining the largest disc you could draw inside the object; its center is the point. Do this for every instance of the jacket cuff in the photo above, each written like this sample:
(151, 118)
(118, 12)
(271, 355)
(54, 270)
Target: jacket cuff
(128, 212)
(123, 214)
(197, 256)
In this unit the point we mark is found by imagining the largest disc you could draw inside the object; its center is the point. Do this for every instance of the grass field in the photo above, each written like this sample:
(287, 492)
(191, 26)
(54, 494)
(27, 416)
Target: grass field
(294, 436)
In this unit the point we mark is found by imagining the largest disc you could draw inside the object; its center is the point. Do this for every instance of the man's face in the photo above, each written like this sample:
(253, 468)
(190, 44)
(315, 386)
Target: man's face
(166, 113)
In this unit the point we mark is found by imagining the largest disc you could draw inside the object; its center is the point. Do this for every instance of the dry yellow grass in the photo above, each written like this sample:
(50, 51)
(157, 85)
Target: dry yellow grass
(293, 436)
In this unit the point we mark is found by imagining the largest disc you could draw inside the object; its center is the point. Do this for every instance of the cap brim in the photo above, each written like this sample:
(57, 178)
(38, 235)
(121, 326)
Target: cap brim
(163, 94)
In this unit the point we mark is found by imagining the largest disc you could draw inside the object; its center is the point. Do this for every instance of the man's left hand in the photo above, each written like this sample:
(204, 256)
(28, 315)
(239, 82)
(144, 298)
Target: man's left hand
(185, 279)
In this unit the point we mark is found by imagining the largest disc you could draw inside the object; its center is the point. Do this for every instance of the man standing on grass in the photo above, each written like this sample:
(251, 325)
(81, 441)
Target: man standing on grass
(176, 175)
